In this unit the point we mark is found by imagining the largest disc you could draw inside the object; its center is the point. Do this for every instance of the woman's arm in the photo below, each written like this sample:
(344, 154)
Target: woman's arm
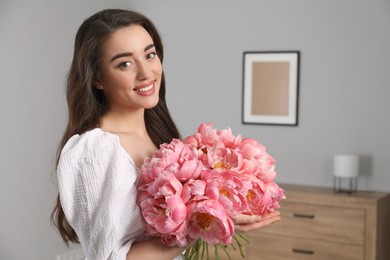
(153, 249)
(98, 191)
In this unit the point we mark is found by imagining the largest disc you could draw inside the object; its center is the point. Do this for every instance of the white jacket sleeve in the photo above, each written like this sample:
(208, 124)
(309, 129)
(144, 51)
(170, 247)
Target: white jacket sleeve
(97, 187)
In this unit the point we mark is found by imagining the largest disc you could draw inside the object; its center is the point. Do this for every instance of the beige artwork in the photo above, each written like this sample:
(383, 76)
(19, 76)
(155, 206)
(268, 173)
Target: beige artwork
(270, 88)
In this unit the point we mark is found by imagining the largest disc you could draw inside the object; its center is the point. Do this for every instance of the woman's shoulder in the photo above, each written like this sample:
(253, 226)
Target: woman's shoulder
(90, 138)
(93, 144)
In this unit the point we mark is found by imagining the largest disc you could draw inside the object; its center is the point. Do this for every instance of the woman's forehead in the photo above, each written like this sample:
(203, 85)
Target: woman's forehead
(131, 39)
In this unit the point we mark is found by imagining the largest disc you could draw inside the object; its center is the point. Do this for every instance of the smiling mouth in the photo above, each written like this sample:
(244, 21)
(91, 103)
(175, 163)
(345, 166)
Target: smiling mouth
(145, 89)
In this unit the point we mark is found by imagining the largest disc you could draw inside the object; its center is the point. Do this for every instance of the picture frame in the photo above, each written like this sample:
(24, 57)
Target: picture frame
(270, 87)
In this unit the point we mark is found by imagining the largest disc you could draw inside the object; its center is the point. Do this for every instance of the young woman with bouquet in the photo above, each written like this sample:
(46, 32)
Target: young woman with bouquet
(117, 117)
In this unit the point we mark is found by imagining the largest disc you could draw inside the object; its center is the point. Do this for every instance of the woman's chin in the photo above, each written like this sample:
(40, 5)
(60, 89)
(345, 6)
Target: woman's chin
(151, 105)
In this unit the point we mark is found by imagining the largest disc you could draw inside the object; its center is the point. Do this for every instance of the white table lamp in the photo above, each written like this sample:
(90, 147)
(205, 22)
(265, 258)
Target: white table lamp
(345, 172)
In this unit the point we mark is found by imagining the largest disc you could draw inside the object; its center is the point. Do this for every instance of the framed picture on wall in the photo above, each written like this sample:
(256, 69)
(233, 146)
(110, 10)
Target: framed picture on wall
(270, 87)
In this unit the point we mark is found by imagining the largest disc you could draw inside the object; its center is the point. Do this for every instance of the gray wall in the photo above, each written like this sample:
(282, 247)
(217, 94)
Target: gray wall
(344, 91)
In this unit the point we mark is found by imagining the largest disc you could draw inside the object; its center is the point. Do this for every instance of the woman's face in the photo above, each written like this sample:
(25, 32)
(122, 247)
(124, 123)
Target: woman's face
(130, 69)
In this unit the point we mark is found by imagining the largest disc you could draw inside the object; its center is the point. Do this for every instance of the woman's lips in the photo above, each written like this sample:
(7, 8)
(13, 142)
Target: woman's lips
(145, 90)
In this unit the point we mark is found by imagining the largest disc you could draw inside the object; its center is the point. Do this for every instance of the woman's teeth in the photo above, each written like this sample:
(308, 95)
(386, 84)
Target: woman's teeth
(145, 88)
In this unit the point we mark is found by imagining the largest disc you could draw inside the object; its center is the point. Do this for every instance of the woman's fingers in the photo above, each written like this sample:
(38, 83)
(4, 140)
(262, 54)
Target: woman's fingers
(271, 215)
(247, 219)
(246, 223)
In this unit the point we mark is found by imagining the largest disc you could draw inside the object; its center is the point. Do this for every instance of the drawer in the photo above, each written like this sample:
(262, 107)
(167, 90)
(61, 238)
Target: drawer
(267, 247)
(323, 223)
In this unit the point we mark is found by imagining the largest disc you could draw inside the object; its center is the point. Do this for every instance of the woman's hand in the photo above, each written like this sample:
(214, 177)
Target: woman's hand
(245, 223)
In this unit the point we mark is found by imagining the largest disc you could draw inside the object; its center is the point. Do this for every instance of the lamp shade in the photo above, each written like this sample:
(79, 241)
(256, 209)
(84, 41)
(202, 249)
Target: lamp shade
(346, 165)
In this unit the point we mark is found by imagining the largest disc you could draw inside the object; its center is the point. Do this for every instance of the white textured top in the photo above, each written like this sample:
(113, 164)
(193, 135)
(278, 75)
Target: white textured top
(97, 186)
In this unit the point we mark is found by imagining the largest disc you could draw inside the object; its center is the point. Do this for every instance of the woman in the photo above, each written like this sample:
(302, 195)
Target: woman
(117, 117)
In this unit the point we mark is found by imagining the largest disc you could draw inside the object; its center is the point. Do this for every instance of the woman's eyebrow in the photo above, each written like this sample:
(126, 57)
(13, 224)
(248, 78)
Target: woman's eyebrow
(120, 55)
(149, 47)
(127, 54)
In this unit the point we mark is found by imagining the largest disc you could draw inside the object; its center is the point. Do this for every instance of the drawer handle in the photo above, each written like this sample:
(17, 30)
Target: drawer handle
(303, 251)
(298, 215)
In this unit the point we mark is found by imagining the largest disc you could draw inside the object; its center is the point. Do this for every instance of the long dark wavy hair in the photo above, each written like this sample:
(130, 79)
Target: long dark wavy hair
(86, 103)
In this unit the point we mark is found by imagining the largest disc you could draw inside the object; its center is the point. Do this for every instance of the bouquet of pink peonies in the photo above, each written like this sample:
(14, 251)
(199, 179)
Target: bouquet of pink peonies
(191, 189)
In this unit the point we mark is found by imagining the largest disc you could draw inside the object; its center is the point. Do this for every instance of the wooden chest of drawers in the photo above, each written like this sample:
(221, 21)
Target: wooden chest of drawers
(318, 224)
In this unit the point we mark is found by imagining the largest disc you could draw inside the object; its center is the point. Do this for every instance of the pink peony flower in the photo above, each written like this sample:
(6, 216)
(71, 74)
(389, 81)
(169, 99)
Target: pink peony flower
(222, 159)
(164, 215)
(177, 238)
(258, 201)
(276, 194)
(251, 149)
(209, 222)
(194, 190)
(227, 189)
(266, 168)
(208, 134)
(165, 185)
(256, 160)
(228, 139)
(176, 157)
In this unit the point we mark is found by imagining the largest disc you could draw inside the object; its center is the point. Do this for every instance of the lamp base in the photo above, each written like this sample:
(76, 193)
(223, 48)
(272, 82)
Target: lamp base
(345, 184)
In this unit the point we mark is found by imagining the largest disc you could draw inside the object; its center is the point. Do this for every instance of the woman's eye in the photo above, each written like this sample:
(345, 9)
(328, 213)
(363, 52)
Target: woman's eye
(151, 55)
(125, 64)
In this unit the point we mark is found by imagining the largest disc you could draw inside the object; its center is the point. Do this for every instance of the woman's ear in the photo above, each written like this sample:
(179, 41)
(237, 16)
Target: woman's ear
(97, 84)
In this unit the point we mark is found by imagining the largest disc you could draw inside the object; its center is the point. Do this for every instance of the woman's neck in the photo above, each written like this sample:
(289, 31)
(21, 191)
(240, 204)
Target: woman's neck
(130, 127)
(124, 121)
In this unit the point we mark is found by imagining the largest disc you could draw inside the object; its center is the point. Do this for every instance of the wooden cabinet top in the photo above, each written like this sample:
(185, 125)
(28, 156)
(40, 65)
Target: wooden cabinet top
(327, 196)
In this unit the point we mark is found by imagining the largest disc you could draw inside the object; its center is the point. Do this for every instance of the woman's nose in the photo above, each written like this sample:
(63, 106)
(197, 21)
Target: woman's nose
(143, 70)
